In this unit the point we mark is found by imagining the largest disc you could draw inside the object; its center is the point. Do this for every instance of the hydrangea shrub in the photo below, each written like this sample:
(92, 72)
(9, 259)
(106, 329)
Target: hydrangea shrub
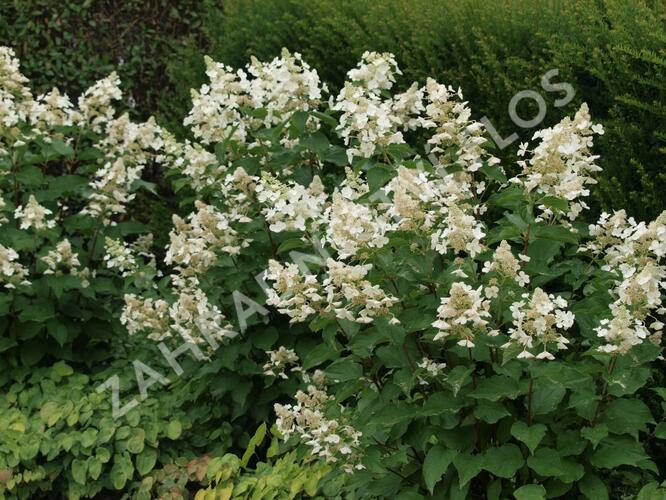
(448, 326)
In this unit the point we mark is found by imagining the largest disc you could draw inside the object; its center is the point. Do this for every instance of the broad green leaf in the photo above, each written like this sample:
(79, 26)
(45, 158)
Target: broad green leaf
(503, 461)
(530, 492)
(496, 388)
(546, 462)
(593, 487)
(146, 460)
(490, 411)
(595, 434)
(468, 466)
(530, 435)
(174, 429)
(79, 470)
(436, 462)
(626, 416)
(615, 451)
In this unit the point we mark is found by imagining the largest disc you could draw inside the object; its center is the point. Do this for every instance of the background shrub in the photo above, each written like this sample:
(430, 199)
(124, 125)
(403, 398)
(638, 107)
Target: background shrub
(73, 44)
(611, 51)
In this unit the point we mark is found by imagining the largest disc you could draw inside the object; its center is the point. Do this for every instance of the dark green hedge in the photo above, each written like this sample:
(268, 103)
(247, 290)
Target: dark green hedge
(72, 44)
(613, 52)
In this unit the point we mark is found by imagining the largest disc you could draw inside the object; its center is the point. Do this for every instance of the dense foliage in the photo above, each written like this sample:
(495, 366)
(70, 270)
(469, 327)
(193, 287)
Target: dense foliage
(356, 299)
(611, 52)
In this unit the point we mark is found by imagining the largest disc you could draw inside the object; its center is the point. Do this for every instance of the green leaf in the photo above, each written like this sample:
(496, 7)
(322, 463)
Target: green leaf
(62, 148)
(530, 435)
(626, 416)
(253, 443)
(660, 431)
(496, 388)
(6, 344)
(593, 487)
(79, 470)
(468, 466)
(595, 434)
(146, 460)
(174, 429)
(136, 442)
(503, 461)
(616, 451)
(436, 462)
(94, 468)
(559, 233)
(530, 492)
(490, 411)
(546, 462)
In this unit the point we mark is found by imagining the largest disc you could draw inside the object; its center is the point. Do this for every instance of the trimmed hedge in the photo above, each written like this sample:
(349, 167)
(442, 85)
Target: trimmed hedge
(612, 52)
(73, 44)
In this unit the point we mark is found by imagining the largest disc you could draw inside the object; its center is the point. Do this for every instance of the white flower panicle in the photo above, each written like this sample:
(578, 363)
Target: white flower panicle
(539, 320)
(330, 439)
(450, 118)
(561, 164)
(292, 206)
(281, 87)
(369, 119)
(190, 316)
(344, 292)
(95, 105)
(431, 369)
(507, 265)
(353, 227)
(281, 360)
(34, 215)
(52, 110)
(112, 190)
(462, 314)
(12, 273)
(195, 242)
(62, 258)
(120, 256)
(634, 251)
(294, 294)
(460, 231)
(352, 297)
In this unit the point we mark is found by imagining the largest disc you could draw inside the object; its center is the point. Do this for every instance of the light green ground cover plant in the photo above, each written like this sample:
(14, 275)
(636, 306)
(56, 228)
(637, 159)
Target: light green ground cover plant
(444, 329)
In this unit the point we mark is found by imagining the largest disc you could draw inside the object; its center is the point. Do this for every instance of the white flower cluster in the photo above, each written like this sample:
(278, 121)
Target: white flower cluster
(460, 231)
(195, 242)
(449, 116)
(328, 438)
(12, 273)
(538, 321)
(561, 164)
(111, 190)
(52, 110)
(344, 292)
(15, 98)
(633, 250)
(61, 259)
(281, 87)
(431, 369)
(294, 294)
(462, 315)
(368, 118)
(95, 105)
(34, 215)
(280, 361)
(352, 227)
(291, 207)
(191, 316)
(507, 265)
